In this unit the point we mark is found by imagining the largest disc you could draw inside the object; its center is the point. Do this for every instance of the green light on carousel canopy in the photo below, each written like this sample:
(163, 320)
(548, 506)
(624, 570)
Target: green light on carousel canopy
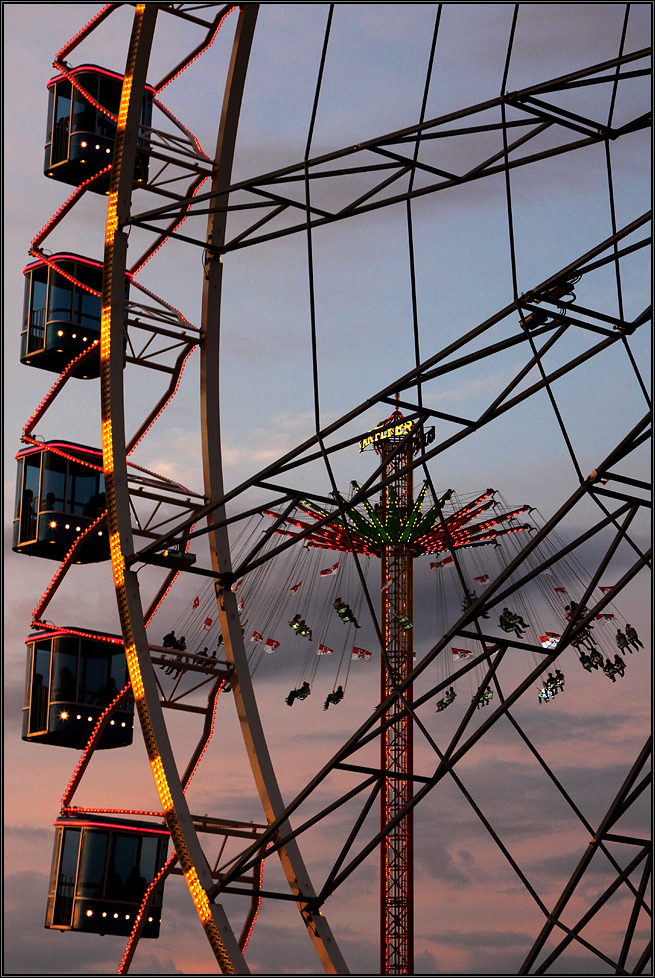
(391, 527)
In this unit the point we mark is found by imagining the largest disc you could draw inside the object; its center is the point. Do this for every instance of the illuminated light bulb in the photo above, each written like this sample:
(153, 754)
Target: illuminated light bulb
(84, 339)
(83, 145)
(64, 715)
(115, 916)
(68, 526)
(53, 524)
(74, 336)
(104, 913)
(149, 920)
(89, 719)
(79, 717)
(99, 533)
(112, 722)
(60, 333)
(89, 913)
(77, 528)
(97, 146)
(127, 916)
(82, 161)
(122, 724)
(107, 151)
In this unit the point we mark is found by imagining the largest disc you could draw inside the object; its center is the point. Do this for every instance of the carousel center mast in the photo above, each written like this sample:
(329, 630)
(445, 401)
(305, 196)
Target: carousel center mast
(396, 747)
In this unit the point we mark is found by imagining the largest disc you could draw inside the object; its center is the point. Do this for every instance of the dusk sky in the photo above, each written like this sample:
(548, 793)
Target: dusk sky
(473, 916)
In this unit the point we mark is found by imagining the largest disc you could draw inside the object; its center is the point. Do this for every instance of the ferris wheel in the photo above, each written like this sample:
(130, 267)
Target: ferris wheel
(577, 322)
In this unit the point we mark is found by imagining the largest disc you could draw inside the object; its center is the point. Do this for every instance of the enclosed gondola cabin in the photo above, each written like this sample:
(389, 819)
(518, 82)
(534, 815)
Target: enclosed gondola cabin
(101, 869)
(70, 681)
(80, 136)
(60, 494)
(61, 314)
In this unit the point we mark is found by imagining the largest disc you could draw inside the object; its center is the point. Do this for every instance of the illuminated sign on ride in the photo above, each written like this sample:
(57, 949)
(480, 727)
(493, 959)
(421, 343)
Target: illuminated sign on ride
(395, 431)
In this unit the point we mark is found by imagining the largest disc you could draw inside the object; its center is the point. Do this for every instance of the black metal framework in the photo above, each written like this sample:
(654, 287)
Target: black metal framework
(536, 325)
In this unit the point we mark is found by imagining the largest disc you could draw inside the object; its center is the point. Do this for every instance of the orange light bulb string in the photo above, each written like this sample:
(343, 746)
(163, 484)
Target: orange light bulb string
(51, 263)
(54, 390)
(56, 580)
(164, 237)
(90, 747)
(195, 57)
(163, 872)
(83, 92)
(65, 207)
(81, 34)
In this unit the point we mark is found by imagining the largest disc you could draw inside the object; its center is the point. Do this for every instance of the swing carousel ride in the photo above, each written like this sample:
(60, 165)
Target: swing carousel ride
(477, 608)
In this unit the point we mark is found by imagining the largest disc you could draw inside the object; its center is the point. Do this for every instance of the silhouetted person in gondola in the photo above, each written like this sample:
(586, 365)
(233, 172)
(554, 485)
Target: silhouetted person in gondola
(106, 693)
(169, 641)
(67, 687)
(114, 884)
(135, 886)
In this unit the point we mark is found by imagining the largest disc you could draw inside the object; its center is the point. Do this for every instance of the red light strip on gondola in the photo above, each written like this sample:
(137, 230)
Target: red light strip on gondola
(58, 451)
(61, 379)
(90, 747)
(164, 870)
(74, 41)
(57, 217)
(110, 825)
(204, 48)
(60, 630)
(54, 583)
(116, 811)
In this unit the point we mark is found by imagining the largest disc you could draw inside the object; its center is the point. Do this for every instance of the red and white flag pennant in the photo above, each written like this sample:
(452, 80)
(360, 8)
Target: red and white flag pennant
(462, 653)
(549, 640)
(604, 589)
(324, 650)
(602, 616)
(434, 565)
(295, 587)
(257, 637)
(360, 653)
(329, 570)
(207, 623)
(196, 603)
(482, 578)
(237, 586)
(560, 590)
(271, 645)
(386, 585)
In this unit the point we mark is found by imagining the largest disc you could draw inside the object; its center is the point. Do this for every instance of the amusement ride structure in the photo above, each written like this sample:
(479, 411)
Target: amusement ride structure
(93, 321)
